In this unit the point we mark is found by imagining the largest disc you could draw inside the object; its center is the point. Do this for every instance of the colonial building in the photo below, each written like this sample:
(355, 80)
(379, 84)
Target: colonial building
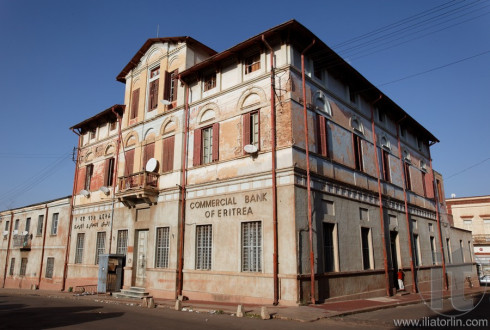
(270, 172)
(33, 245)
(473, 214)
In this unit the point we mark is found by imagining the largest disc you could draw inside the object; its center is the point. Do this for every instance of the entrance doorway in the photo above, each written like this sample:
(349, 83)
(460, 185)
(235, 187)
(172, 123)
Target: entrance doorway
(141, 256)
(394, 258)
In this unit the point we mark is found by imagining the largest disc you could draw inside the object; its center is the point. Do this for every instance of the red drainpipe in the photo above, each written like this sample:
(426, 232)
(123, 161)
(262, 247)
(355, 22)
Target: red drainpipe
(72, 204)
(308, 188)
(45, 225)
(114, 175)
(409, 234)
(273, 173)
(8, 248)
(380, 197)
(436, 199)
(183, 183)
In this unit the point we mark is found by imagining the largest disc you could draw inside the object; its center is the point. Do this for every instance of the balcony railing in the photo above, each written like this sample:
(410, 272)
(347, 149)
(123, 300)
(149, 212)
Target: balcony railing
(138, 180)
(141, 187)
(22, 241)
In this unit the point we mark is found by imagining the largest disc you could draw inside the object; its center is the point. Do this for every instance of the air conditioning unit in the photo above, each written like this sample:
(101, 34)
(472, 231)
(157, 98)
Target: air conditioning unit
(25, 233)
(15, 232)
(5, 232)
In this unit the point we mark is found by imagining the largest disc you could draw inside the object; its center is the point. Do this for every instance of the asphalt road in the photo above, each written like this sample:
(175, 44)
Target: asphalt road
(34, 311)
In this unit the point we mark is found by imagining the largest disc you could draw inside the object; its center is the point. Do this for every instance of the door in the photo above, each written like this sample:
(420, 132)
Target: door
(141, 257)
(394, 257)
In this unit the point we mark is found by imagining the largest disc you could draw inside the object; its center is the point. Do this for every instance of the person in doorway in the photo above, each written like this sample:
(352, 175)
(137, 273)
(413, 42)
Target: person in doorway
(400, 279)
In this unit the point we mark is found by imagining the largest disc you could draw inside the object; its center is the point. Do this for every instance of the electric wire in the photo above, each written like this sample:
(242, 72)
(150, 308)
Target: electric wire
(466, 169)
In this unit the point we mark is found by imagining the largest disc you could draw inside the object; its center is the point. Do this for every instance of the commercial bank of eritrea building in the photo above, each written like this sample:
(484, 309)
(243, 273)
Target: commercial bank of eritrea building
(230, 176)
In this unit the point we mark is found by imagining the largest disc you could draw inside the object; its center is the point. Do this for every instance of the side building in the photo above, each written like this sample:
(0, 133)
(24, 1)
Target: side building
(270, 172)
(33, 245)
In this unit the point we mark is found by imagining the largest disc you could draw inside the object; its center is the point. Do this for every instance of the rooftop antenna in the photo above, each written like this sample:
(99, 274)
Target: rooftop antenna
(158, 29)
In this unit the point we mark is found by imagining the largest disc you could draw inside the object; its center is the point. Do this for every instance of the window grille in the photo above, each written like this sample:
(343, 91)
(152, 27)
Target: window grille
(12, 266)
(162, 247)
(122, 242)
(40, 221)
(100, 246)
(54, 224)
(252, 246)
(204, 243)
(328, 246)
(207, 145)
(23, 266)
(49, 267)
(79, 250)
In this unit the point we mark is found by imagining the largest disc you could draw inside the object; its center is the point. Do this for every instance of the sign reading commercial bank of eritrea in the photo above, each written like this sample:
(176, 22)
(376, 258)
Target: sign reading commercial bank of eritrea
(224, 207)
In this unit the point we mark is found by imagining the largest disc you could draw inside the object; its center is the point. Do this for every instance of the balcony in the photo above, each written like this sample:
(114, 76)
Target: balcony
(22, 241)
(137, 188)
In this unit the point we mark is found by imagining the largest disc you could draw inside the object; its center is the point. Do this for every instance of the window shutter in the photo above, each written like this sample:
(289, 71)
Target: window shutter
(176, 84)
(134, 103)
(215, 142)
(168, 154)
(148, 153)
(128, 167)
(246, 130)
(153, 94)
(107, 165)
(322, 135)
(166, 92)
(197, 147)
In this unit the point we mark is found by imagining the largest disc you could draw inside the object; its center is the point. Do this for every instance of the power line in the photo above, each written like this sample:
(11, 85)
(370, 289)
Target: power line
(468, 168)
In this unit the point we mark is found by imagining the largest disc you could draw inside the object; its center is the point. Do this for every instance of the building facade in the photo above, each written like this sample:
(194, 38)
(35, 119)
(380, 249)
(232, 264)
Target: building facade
(269, 172)
(473, 214)
(33, 245)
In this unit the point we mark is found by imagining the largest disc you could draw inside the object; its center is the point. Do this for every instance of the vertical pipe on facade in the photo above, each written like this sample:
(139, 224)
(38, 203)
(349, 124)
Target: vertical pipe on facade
(273, 174)
(72, 204)
(45, 225)
(183, 182)
(380, 197)
(8, 248)
(436, 199)
(308, 178)
(407, 218)
(114, 174)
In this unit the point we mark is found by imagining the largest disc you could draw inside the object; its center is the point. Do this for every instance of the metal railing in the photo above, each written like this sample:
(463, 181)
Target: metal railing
(22, 241)
(138, 180)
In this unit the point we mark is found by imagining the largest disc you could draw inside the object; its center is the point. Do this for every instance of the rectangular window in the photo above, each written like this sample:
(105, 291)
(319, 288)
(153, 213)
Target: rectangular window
(129, 162)
(23, 266)
(366, 248)
(439, 190)
(322, 135)
(79, 249)
(352, 95)
(386, 165)
(99, 246)
(363, 214)
(381, 115)
(357, 152)
(204, 243)
(469, 250)
(153, 89)
(416, 250)
(317, 70)
(251, 129)
(40, 222)
(28, 225)
(122, 242)
(49, 267)
(16, 225)
(171, 84)
(148, 153)
(89, 171)
(408, 182)
(54, 224)
(433, 249)
(112, 125)
(7, 223)
(209, 82)
(252, 63)
(424, 186)
(12, 266)
(252, 246)
(207, 145)
(93, 131)
(135, 100)
(328, 246)
(168, 154)
(431, 228)
(449, 254)
(109, 172)
(162, 248)
(461, 250)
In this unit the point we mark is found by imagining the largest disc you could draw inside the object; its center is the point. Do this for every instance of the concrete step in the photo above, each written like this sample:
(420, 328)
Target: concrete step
(132, 293)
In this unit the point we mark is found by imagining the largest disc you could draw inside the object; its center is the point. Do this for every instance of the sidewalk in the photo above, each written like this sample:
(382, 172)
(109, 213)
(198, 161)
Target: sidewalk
(297, 313)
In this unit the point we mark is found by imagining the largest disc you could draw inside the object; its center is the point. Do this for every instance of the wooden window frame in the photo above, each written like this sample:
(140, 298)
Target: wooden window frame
(198, 158)
(322, 136)
(357, 149)
(79, 248)
(408, 179)
(89, 171)
(153, 86)
(252, 63)
(168, 154)
(209, 82)
(135, 99)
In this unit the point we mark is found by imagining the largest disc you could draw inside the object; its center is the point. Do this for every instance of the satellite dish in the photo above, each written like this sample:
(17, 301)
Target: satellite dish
(85, 193)
(250, 149)
(105, 190)
(151, 165)
(165, 102)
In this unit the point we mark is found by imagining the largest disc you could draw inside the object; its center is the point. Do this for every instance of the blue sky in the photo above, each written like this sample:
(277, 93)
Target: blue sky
(60, 59)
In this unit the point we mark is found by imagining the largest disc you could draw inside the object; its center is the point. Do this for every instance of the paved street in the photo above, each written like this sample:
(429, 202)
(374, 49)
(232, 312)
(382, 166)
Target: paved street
(28, 310)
